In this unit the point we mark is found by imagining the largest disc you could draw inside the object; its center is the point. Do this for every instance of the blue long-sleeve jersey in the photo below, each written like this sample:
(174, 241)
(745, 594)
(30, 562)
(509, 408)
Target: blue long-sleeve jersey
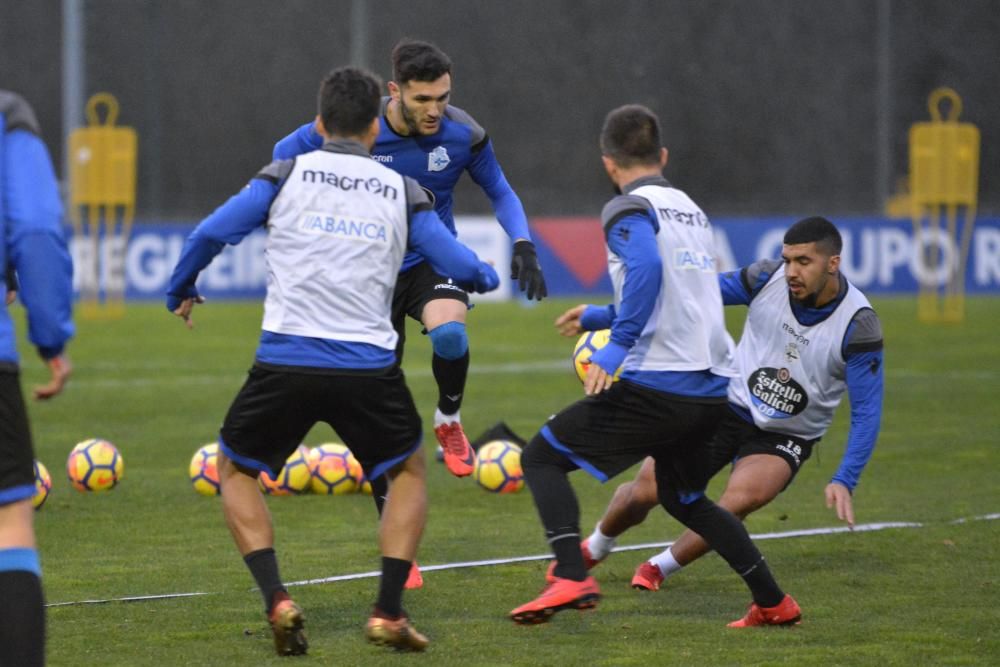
(437, 162)
(33, 237)
(428, 238)
(862, 350)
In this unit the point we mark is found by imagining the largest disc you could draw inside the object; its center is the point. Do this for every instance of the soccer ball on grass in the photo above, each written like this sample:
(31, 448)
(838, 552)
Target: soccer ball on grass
(94, 465)
(335, 471)
(204, 470)
(293, 479)
(43, 484)
(498, 467)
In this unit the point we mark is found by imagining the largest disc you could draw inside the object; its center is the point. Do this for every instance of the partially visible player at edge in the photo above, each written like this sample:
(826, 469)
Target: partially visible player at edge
(669, 337)
(35, 260)
(808, 330)
(327, 349)
(424, 137)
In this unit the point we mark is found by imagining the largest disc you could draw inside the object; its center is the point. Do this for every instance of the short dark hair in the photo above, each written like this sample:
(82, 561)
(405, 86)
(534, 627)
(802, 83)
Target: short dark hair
(349, 99)
(816, 230)
(631, 136)
(413, 60)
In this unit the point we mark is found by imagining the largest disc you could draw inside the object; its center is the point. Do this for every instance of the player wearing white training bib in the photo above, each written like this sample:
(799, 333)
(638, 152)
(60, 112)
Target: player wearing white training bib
(792, 375)
(339, 224)
(685, 330)
(809, 336)
(668, 333)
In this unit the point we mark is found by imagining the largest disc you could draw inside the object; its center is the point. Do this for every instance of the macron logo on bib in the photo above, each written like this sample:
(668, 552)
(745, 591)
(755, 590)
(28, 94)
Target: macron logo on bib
(350, 229)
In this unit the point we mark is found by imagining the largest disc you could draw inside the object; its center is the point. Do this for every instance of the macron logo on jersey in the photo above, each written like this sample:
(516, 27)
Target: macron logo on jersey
(352, 230)
(438, 159)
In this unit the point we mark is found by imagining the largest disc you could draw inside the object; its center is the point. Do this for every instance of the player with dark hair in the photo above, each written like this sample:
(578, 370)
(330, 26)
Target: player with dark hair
(338, 225)
(35, 260)
(424, 137)
(809, 335)
(669, 338)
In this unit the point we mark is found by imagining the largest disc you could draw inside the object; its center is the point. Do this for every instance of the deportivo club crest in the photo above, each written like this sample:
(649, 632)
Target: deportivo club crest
(438, 159)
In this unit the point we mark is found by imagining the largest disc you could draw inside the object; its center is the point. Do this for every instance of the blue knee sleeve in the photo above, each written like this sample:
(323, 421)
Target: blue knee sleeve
(449, 340)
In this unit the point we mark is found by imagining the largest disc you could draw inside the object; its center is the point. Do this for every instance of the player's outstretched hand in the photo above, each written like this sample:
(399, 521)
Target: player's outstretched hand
(59, 371)
(568, 323)
(525, 269)
(837, 495)
(183, 311)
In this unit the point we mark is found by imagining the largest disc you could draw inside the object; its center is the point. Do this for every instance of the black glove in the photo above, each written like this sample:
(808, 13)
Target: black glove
(524, 268)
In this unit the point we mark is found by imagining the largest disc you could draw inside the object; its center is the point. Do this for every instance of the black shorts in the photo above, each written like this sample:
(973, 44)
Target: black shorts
(737, 438)
(17, 457)
(374, 415)
(608, 433)
(414, 289)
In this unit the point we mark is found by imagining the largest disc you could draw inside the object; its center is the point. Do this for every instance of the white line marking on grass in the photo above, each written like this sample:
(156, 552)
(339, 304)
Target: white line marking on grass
(861, 528)
(805, 532)
(982, 517)
(134, 598)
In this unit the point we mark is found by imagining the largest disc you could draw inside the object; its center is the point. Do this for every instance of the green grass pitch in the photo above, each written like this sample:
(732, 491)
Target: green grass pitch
(158, 391)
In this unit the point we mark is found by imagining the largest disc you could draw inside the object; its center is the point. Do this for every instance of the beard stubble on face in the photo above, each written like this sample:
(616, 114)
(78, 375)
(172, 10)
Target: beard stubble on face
(408, 117)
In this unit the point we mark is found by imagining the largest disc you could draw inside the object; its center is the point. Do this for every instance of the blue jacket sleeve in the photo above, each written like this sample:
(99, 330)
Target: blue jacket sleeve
(865, 379)
(486, 172)
(447, 256)
(595, 318)
(633, 238)
(228, 224)
(37, 241)
(734, 292)
(302, 140)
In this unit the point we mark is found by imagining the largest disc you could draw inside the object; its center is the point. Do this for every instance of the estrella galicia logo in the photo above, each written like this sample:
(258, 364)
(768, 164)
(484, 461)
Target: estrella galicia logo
(438, 159)
(775, 394)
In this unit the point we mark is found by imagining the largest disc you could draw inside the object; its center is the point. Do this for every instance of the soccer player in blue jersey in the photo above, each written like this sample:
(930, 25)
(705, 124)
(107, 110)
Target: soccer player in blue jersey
(34, 256)
(338, 227)
(423, 136)
(809, 335)
(669, 339)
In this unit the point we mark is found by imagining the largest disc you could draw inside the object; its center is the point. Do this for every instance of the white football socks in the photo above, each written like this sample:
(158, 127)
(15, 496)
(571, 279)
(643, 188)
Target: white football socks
(442, 418)
(599, 544)
(666, 562)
